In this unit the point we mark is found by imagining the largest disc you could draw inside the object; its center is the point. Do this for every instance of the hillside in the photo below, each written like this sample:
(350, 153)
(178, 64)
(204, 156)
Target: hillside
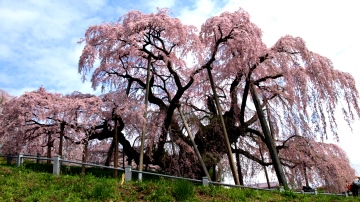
(34, 183)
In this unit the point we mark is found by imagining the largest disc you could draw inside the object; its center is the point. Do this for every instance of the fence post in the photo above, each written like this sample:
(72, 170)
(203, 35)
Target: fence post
(56, 165)
(315, 192)
(19, 160)
(37, 158)
(128, 173)
(205, 181)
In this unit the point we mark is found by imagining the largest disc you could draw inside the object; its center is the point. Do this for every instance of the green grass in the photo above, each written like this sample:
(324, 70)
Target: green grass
(33, 182)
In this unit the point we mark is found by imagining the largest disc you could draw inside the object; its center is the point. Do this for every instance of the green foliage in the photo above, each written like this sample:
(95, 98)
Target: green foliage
(161, 192)
(236, 195)
(183, 190)
(289, 194)
(215, 191)
(102, 190)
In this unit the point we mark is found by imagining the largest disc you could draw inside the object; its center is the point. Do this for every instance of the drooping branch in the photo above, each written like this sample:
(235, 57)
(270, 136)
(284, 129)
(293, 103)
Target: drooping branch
(248, 155)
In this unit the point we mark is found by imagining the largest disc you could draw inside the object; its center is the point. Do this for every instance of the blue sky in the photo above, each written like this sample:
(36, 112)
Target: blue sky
(38, 38)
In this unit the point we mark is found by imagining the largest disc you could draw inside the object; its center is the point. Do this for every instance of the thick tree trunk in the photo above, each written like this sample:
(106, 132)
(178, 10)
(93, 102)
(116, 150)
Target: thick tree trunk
(269, 140)
(109, 154)
(306, 177)
(130, 152)
(214, 175)
(173, 152)
(123, 153)
(228, 146)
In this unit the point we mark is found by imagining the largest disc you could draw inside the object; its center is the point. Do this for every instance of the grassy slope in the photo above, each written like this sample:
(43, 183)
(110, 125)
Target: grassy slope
(34, 183)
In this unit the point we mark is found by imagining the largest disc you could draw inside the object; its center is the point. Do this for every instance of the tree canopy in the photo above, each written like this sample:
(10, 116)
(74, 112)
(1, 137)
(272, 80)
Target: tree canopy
(299, 92)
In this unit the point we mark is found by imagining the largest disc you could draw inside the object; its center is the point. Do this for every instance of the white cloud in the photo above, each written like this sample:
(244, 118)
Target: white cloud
(198, 13)
(38, 43)
(160, 4)
(320, 23)
(19, 91)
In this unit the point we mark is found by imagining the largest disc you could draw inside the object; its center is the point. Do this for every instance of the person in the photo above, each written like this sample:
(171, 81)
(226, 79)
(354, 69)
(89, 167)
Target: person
(355, 186)
(348, 186)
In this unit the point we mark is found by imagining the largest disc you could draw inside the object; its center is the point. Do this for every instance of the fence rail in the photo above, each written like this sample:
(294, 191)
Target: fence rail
(128, 172)
(90, 164)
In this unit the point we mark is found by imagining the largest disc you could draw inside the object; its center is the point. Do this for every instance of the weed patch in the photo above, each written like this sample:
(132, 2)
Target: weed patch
(183, 190)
